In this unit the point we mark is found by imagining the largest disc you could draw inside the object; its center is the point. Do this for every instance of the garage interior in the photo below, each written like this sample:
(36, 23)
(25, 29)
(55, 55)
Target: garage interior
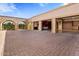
(46, 25)
(68, 24)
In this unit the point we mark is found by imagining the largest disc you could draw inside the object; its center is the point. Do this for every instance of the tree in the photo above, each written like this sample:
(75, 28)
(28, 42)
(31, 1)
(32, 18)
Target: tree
(9, 26)
(21, 26)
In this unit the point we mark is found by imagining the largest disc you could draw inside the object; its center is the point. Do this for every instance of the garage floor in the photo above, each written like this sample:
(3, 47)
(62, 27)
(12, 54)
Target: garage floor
(41, 43)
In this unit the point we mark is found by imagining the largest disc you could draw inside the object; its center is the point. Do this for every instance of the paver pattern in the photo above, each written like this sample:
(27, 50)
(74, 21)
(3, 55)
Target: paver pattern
(41, 43)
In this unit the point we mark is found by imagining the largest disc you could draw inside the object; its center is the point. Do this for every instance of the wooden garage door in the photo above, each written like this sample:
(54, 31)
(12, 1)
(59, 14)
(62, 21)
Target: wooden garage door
(67, 26)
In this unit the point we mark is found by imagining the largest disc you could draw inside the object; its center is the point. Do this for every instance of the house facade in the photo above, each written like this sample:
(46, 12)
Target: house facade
(62, 19)
(14, 20)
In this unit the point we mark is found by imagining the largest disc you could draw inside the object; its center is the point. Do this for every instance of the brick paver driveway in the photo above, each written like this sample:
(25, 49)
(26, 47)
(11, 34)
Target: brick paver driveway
(41, 43)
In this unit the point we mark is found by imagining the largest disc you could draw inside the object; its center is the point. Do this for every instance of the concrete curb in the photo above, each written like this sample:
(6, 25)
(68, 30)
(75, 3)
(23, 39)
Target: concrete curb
(2, 41)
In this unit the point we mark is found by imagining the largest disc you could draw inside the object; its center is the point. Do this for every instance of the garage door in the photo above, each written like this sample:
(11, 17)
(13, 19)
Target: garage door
(67, 26)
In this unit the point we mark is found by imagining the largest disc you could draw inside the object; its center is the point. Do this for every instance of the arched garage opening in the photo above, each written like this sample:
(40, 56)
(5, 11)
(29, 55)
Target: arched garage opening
(46, 25)
(22, 25)
(8, 25)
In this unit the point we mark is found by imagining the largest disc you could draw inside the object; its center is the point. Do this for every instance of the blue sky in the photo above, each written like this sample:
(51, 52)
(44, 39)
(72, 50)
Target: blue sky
(26, 10)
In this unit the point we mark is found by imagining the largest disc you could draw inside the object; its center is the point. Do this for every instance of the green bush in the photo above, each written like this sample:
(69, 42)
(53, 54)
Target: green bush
(21, 26)
(8, 26)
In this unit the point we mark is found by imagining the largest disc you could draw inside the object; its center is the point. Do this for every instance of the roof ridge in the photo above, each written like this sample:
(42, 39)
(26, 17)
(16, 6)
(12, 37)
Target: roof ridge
(12, 17)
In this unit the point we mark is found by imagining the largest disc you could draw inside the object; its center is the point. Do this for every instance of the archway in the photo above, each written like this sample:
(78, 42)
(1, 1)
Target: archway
(8, 25)
(22, 25)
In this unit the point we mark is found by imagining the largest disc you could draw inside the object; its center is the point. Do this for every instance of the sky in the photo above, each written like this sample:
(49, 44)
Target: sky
(26, 10)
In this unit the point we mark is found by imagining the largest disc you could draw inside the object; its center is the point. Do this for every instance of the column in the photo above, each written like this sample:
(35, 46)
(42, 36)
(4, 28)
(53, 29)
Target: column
(28, 26)
(16, 26)
(40, 25)
(32, 26)
(1, 27)
(53, 25)
(60, 25)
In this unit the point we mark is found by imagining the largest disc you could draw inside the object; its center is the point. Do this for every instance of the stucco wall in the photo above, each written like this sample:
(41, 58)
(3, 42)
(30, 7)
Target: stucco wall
(69, 10)
(14, 19)
(2, 41)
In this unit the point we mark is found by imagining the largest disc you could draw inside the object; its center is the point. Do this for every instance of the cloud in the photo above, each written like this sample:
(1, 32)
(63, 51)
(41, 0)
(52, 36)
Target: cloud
(7, 7)
(65, 3)
(43, 4)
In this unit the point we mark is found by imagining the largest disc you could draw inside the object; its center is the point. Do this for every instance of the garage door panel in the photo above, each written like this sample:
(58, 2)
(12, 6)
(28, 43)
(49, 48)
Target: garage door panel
(67, 25)
(75, 23)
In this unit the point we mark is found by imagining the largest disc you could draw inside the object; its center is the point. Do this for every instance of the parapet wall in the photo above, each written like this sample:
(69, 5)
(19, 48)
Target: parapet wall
(2, 41)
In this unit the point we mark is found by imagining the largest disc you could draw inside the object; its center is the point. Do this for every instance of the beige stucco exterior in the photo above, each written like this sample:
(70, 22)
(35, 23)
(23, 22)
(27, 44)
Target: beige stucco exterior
(14, 20)
(58, 18)
(2, 42)
(63, 11)
(64, 18)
